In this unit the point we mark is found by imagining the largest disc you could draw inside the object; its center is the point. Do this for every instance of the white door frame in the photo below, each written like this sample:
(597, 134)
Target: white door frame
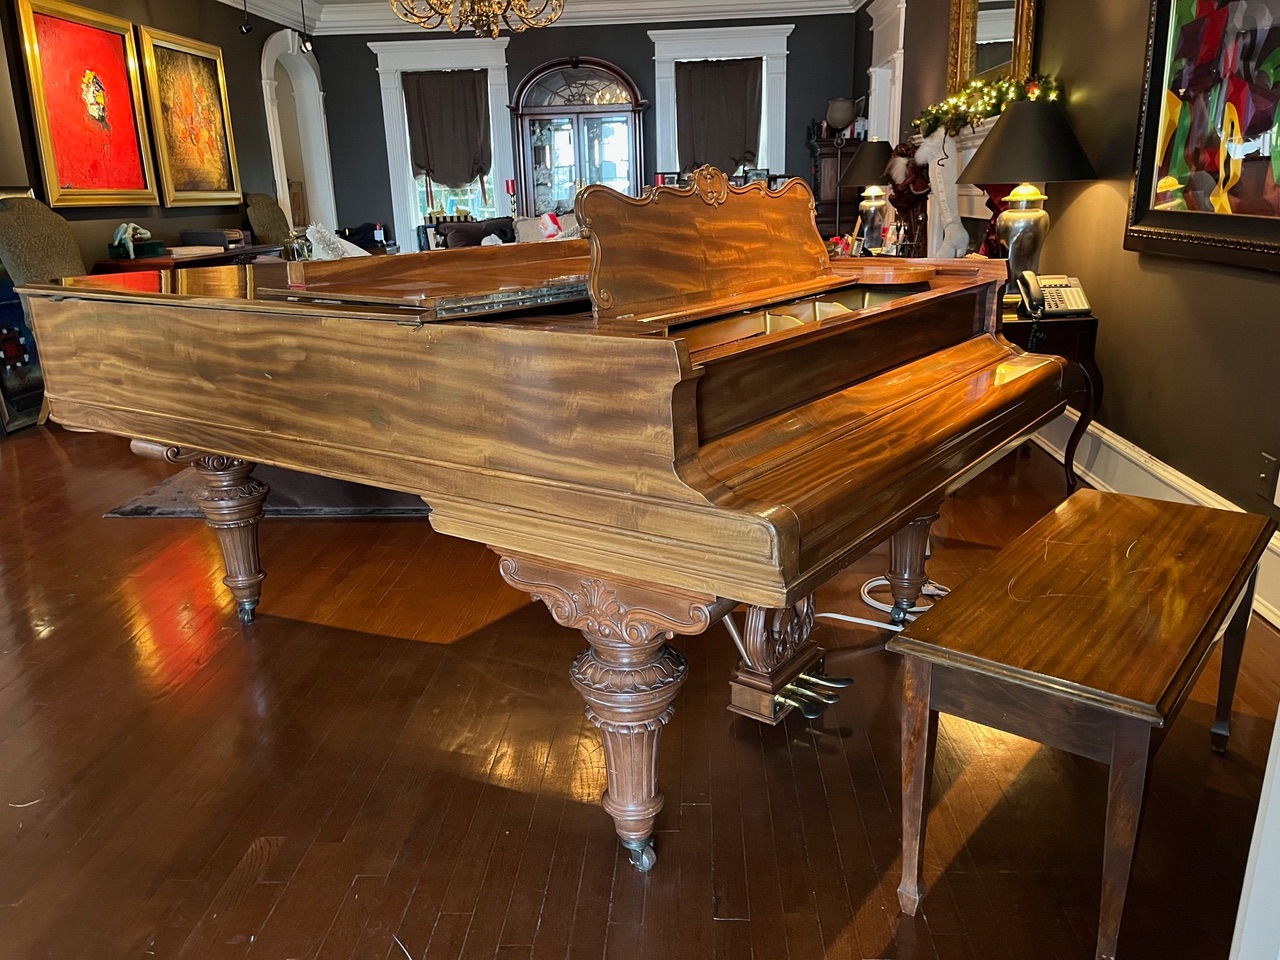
(401, 56)
(317, 168)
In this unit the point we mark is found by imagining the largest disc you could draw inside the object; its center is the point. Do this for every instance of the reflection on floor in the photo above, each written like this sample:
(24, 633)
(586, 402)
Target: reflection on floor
(392, 763)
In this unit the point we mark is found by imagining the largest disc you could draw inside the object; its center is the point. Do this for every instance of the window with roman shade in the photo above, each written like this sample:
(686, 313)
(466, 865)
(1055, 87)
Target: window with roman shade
(718, 112)
(450, 145)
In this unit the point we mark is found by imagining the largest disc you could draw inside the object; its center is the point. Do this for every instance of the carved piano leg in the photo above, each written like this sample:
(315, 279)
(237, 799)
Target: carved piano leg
(231, 501)
(908, 549)
(628, 676)
(776, 649)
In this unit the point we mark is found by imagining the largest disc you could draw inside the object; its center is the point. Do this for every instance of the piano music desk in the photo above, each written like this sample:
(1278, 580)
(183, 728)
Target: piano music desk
(1074, 338)
(1085, 634)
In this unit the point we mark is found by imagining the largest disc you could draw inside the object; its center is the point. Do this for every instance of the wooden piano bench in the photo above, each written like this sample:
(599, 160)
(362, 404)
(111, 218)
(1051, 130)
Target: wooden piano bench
(1086, 634)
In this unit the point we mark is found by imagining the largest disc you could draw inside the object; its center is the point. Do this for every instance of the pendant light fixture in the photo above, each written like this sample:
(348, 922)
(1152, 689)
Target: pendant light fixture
(483, 16)
(304, 39)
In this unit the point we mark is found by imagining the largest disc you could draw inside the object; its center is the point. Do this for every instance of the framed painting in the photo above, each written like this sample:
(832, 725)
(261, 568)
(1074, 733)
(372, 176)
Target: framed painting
(187, 94)
(82, 68)
(1207, 175)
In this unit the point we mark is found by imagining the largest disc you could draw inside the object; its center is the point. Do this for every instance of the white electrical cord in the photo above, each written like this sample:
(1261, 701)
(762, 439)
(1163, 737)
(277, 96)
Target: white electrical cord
(930, 589)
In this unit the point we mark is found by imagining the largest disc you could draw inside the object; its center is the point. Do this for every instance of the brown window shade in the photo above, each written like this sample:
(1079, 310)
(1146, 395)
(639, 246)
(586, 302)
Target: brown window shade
(448, 112)
(718, 104)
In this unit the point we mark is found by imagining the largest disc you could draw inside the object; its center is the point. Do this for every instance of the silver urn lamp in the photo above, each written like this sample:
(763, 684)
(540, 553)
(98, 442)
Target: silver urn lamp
(1031, 142)
(868, 169)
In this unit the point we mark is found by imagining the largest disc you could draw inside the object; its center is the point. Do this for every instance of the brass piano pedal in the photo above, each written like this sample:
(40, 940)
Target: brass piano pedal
(801, 690)
(821, 680)
(810, 709)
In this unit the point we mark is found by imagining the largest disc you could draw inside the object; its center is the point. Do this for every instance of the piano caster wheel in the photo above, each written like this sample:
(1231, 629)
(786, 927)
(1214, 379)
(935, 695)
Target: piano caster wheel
(899, 613)
(246, 611)
(644, 857)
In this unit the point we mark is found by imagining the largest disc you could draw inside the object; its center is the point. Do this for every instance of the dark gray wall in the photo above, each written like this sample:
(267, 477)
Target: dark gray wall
(820, 65)
(205, 20)
(1189, 350)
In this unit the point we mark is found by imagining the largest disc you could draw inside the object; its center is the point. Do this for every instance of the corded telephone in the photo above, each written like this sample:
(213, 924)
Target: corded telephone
(1052, 296)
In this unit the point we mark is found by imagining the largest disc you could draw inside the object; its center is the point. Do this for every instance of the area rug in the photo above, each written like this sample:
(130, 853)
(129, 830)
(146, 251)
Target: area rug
(292, 494)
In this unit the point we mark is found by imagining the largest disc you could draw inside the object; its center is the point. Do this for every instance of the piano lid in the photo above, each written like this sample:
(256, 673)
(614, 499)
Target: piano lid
(705, 249)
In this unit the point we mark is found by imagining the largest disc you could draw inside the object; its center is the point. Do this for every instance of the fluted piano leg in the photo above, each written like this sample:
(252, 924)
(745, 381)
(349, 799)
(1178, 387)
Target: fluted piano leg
(231, 501)
(629, 676)
(907, 552)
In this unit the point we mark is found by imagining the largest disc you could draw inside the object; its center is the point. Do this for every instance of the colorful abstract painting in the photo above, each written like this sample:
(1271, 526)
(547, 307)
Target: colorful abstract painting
(86, 99)
(1219, 137)
(188, 97)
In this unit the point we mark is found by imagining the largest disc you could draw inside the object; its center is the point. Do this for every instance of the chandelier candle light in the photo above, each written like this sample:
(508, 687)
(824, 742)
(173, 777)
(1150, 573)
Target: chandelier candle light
(483, 16)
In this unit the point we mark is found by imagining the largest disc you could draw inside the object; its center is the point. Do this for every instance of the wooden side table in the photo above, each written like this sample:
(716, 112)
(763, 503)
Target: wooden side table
(1086, 634)
(1076, 339)
(230, 256)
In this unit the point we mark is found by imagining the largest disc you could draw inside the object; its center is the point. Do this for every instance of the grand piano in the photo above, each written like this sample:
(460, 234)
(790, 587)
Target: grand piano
(726, 422)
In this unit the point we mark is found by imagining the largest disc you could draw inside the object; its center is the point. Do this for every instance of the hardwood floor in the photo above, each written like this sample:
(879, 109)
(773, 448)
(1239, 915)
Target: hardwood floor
(391, 763)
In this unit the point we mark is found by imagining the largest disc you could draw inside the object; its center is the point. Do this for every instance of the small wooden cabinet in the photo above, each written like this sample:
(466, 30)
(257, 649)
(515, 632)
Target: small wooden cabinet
(827, 160)
(577, 122)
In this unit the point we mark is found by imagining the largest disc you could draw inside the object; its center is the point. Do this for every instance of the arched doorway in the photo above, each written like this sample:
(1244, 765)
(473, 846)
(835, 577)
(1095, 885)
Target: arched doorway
(282, 50)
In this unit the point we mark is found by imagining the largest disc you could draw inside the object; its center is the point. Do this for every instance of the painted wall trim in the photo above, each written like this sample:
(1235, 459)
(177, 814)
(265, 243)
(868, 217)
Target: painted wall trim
(376, 16)
(399, 56)
(1110, 462)
(723, 43)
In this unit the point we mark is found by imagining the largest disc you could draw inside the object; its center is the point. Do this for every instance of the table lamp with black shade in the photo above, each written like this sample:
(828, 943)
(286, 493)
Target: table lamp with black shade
(1031, 142)
(868, 169)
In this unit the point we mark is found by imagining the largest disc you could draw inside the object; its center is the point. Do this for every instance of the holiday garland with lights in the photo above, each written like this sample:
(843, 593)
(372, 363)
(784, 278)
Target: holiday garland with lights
(981, 99)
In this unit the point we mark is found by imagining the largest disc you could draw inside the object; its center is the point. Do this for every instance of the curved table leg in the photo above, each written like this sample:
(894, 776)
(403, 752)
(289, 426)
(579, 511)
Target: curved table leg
(1093, 400)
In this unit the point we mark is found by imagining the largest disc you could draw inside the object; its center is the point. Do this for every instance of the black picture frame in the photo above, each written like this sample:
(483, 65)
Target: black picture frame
(1238, 239)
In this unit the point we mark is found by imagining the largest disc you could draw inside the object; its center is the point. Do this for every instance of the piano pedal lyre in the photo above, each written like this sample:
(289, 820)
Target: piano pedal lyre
(781, 668)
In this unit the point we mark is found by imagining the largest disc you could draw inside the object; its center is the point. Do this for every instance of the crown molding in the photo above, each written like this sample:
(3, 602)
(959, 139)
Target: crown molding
(376, 16)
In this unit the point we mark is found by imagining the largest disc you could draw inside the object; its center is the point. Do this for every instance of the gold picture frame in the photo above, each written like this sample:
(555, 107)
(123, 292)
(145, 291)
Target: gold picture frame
(187, 95)
(91, 126)
(962, 56)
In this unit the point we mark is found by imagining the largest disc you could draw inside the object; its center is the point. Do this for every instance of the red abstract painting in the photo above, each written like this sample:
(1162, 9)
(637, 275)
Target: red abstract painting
(93, 125)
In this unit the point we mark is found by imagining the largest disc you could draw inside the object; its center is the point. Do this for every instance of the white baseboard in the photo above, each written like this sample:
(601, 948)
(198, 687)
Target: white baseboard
(1110, 462)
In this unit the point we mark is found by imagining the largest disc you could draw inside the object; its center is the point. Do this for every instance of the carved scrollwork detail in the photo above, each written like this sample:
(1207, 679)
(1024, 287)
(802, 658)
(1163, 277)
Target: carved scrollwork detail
(595, 608)
(254, 488)
(611, 727)
(711, 184)
(595, 674)
(774, 635)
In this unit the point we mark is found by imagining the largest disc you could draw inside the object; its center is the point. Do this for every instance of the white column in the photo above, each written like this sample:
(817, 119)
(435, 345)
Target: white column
(773, 146)
(319, 168)
(396, 123)
(277, 145)
(504, 164)
(664, 106)
(888, 37)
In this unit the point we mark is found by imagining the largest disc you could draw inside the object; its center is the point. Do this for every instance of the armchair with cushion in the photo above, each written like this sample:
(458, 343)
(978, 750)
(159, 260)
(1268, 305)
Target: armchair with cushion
(37, 245)
(269, 224)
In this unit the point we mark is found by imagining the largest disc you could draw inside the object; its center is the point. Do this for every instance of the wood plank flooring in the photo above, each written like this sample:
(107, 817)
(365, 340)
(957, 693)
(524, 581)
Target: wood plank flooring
(391, 763)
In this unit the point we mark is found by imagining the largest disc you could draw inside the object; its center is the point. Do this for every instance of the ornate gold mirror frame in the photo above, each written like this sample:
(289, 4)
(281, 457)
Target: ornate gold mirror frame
(964, 43)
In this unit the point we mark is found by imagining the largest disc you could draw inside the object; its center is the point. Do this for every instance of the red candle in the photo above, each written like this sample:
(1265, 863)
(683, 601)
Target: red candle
(511, 186)
(659, 180)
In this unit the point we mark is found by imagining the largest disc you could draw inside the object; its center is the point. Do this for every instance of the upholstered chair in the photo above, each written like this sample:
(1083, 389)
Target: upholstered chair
(270, 225)
(36, 245)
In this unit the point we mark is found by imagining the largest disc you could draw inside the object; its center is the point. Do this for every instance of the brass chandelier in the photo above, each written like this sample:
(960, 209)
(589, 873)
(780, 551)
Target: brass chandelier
(484, 16)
